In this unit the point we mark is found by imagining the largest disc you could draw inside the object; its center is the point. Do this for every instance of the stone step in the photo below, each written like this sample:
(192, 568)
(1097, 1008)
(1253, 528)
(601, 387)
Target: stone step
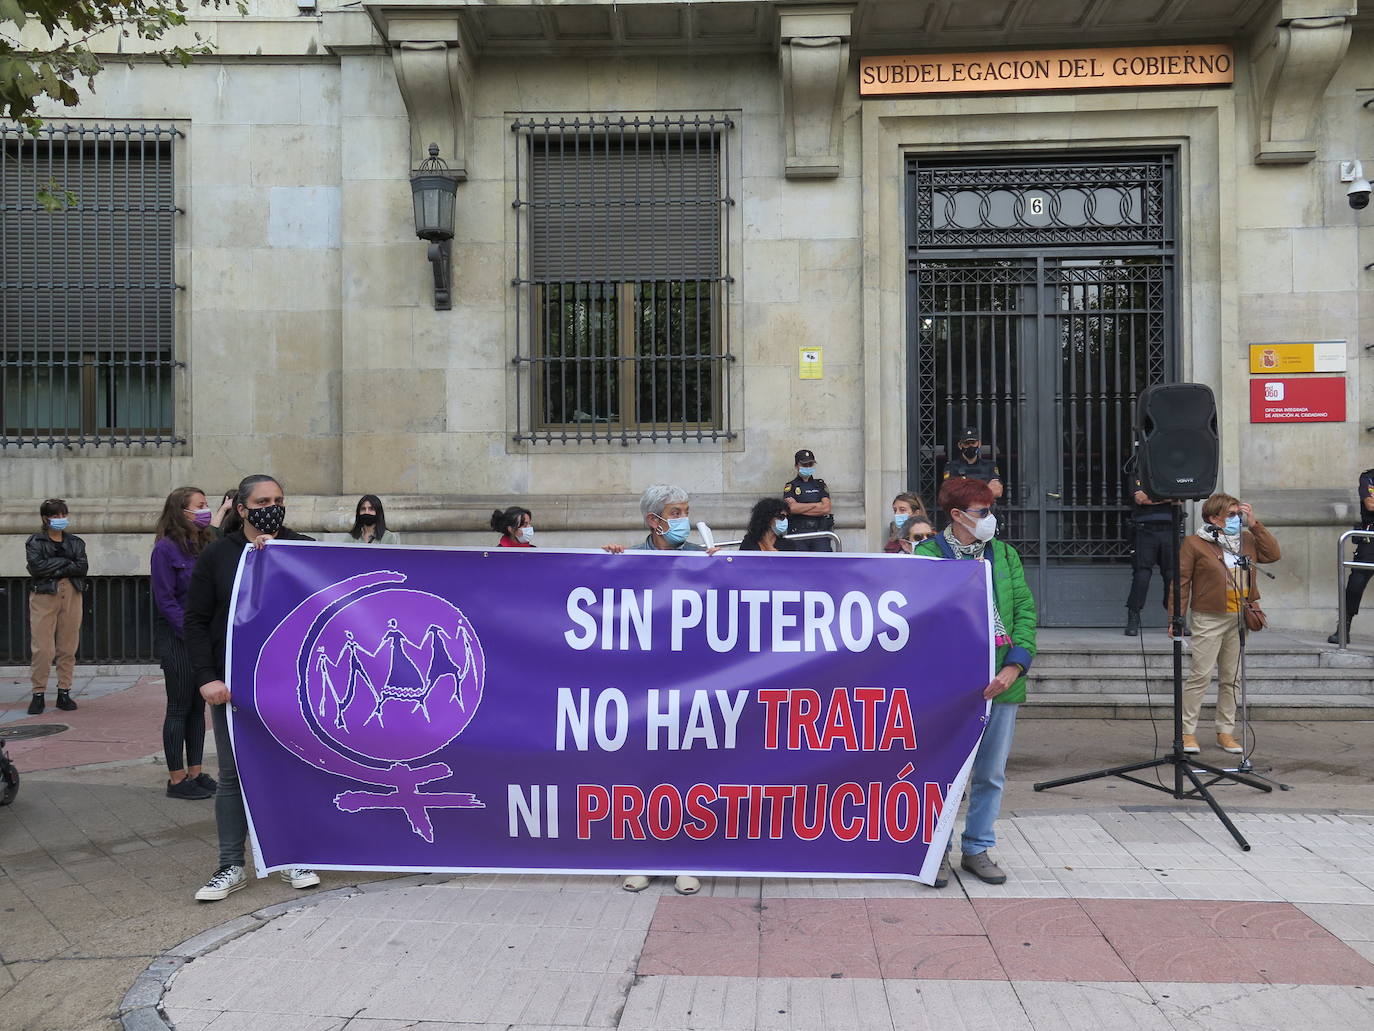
(1263, 681)
(1128, 706)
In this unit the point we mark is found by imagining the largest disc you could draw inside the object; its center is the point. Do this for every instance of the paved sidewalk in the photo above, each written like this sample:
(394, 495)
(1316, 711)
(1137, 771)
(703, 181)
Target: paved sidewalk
(1111, 919)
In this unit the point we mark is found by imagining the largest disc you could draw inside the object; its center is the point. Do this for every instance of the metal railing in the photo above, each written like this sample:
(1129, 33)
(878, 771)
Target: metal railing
(1342, 564)
(810, 535)
(116, 627)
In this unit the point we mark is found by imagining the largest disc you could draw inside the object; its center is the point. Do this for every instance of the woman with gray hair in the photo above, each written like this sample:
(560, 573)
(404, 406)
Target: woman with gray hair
(666, 512)
(665, 509)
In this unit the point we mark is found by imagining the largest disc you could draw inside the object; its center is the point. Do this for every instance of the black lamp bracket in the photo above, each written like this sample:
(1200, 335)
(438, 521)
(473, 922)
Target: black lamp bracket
(440, 259)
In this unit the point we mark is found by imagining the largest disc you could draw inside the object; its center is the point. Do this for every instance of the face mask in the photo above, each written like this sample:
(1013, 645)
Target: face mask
(1233, 524)
(678, 529)
(983, 529)
(527, 534)
(806, 472)
(970, 453)
(60, 523)
(267, 519)
(900, 519)
(368, 518)
(779, 526)
(202, 516)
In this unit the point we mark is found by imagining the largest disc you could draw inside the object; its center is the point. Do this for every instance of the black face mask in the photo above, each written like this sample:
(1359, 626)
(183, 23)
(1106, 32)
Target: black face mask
(267, 519)
(368, 518)
(970, 453)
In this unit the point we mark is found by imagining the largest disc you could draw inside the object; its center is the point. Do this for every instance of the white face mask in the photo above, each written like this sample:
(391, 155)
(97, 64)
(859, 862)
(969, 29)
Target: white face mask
(527, 534)
(982, 529)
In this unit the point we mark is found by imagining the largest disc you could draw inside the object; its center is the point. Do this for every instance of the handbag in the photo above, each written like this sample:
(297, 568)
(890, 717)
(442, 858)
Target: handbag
(1255, 619)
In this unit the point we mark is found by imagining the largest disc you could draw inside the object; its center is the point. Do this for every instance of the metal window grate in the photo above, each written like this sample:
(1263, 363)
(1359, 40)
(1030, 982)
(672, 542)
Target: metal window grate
(116, 626)
(623, 278)
(1029, 204)
(87, 335)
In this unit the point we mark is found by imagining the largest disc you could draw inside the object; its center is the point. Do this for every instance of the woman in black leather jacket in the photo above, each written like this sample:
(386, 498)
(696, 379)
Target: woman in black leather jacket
(57, 563)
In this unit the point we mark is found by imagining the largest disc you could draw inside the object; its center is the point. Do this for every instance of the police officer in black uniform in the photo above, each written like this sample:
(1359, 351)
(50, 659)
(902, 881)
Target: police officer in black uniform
(969, 461)
(1357, 579)
(808, 503)
(1153, 524)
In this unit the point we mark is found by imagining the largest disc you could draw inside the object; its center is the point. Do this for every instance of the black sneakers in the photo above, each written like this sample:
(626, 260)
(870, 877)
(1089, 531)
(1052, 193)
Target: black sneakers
(207, 782)
(64, 701)
(189, 789)
(37, 703)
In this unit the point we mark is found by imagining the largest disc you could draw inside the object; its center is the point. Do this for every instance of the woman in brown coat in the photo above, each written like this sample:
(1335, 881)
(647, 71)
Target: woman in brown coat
(1214, 583)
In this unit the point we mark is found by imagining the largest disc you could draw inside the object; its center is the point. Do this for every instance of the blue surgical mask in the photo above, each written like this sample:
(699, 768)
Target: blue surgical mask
(1233, 524)
(779, 526)
(678, 529)
(806, 471)
(900, 518)
(60, 523)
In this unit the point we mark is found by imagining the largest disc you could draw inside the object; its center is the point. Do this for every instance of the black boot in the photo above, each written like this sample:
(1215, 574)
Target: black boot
(64, 701)
(36, 703)
(1132, 623)
(1335, 637)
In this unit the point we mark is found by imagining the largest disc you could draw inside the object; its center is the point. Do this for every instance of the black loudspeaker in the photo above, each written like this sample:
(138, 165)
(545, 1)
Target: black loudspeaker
(1176, 441)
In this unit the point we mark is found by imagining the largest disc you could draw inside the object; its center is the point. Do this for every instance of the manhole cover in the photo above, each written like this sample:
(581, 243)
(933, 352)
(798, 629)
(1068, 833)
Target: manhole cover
(32, 730)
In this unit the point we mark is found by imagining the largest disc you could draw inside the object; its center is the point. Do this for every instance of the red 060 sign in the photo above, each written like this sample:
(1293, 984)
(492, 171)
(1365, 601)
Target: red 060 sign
(1301, 399)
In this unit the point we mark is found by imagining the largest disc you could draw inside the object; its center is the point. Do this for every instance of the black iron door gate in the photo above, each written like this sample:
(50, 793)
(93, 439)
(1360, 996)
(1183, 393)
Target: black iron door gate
(1042, 303)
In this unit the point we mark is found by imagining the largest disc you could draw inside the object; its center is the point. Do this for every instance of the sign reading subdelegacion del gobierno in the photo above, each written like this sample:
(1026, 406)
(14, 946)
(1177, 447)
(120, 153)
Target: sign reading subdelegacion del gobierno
(1029, 70)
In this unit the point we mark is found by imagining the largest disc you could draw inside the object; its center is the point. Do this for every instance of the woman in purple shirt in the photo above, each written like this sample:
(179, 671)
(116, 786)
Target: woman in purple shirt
(183, 530)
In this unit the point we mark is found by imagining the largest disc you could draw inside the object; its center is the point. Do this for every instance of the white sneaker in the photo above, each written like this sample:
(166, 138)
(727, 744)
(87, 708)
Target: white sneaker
(227, 879)
(300, 877)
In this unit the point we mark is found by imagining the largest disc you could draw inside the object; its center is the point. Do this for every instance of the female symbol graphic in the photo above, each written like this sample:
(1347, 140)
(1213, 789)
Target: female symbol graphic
(387, 714)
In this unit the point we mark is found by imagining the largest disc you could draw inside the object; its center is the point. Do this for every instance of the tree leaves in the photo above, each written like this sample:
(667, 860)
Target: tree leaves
(27, 73)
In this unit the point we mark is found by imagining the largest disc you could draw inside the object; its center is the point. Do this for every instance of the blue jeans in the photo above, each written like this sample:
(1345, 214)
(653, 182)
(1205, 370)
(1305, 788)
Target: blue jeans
(230, 818)
(986, 781)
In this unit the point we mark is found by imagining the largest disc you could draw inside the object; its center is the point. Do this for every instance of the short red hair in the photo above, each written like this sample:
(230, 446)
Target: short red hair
(964, 493)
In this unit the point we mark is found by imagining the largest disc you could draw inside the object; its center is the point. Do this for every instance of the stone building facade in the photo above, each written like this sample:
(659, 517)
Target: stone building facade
(303, 336)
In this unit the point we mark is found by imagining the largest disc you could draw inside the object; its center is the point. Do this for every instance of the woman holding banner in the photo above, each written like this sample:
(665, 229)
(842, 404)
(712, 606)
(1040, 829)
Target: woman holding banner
(260, 510)
(970, 535)
(665, 510)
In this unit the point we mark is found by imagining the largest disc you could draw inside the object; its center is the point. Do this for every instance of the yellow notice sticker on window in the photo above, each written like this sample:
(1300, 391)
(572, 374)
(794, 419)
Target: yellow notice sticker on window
(809, 365)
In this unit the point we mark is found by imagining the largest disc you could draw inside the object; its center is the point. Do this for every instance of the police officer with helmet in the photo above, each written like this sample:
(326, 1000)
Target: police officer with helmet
(808, 503)
(970, 462)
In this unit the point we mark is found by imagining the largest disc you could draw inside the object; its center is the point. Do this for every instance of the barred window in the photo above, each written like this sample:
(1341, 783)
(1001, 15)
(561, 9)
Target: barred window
(86, 286)
(624, 276)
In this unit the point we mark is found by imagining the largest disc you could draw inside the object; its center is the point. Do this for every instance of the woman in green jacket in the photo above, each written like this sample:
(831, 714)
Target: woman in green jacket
(968, 503)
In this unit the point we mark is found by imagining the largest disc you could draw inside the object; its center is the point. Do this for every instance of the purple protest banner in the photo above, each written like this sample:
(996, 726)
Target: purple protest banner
(455, 709)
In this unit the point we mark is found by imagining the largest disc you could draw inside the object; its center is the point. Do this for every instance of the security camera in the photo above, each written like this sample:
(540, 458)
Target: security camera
(1357, 193)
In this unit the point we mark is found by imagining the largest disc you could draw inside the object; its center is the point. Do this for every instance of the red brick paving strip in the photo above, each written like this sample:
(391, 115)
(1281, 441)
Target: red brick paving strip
(1000, 939)
(121, 725)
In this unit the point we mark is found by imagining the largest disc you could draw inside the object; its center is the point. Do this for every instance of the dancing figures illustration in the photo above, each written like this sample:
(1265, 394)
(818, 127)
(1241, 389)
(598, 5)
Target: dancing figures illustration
(372, 716)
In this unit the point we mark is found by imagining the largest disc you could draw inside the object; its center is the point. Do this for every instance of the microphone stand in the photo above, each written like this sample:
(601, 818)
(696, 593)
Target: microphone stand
(1185, 766)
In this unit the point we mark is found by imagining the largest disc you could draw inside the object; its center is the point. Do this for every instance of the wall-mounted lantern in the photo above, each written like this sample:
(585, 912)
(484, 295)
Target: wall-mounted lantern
(434, 190)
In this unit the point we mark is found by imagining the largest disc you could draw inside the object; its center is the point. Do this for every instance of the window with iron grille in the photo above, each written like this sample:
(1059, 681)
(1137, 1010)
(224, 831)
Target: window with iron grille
(624, 278)
(86, 286)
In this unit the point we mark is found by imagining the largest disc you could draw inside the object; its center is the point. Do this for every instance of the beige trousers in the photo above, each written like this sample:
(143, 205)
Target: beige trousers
(55, 628)
(1216, 646)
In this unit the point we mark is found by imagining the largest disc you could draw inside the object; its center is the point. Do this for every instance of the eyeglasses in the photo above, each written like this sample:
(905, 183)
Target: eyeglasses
(978, 513)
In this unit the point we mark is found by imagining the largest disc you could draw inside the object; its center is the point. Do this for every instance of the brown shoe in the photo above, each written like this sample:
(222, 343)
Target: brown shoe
(1190, 745)
(1229, 744)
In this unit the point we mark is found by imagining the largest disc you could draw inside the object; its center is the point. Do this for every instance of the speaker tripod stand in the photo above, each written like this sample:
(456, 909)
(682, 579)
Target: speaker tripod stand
(1186, 768)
